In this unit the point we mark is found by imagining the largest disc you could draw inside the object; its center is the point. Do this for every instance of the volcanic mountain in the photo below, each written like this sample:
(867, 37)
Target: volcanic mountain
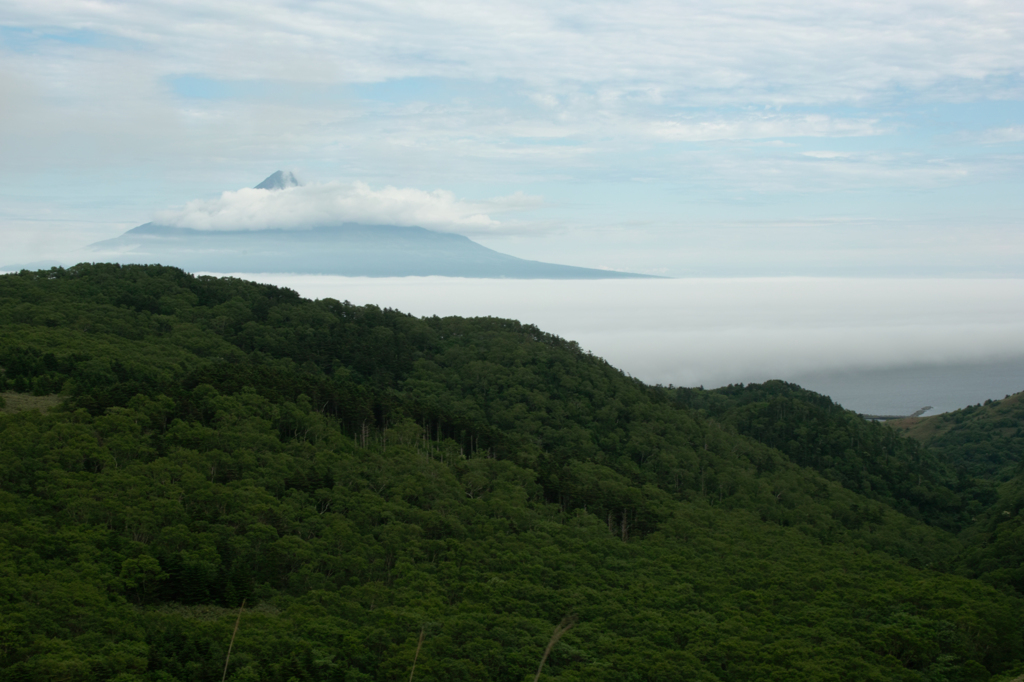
(348, 249)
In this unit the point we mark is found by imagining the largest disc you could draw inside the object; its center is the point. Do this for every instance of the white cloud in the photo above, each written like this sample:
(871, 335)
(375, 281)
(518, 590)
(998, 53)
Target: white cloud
(546, 100)
(827, 155)
(1002, 135)
(82, 108)
(763, 127)
(790, 51)
(332, 203)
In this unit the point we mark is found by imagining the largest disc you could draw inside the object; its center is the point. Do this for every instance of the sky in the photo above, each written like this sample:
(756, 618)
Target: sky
(688, 139)
(834, 188)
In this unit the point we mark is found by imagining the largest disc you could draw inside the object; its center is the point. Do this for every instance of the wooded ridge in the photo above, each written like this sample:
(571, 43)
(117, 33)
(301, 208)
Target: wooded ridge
(379, 488)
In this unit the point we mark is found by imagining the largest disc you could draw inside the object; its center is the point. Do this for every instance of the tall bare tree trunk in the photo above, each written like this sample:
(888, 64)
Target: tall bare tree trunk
(227, 659)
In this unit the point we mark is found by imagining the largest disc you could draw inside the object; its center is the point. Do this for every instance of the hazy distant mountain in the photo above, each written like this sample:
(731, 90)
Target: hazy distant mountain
(279, 180)
(349, 249)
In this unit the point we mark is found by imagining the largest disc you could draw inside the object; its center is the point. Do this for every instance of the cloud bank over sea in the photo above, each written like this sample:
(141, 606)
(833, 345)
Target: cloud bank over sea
(713, 332)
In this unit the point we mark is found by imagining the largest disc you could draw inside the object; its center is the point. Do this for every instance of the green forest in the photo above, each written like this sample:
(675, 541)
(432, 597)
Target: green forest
(192, 464)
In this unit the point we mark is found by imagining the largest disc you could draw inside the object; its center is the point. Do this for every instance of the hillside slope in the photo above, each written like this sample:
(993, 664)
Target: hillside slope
(359, 476)
(984, 440)
(930, 483)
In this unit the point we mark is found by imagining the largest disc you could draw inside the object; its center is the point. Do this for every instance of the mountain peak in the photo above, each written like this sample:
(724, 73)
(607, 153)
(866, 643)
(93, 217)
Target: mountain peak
(279, 180)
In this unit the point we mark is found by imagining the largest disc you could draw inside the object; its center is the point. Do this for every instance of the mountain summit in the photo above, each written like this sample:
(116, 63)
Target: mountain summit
(279, 180)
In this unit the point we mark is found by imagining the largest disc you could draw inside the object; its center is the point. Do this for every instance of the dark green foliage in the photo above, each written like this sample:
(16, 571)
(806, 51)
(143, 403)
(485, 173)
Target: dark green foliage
(995, 552)
(982, 441)
(864, 456)
(985, 443)
(357, 475)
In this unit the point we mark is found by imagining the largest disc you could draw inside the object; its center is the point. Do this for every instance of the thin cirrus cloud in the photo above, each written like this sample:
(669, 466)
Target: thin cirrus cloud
(332, 203)
(1002, 135)
(764, 127)
(623, 114)
(790, 51)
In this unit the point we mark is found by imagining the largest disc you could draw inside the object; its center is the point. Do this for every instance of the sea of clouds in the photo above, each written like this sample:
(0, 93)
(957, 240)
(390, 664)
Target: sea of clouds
(826, 333)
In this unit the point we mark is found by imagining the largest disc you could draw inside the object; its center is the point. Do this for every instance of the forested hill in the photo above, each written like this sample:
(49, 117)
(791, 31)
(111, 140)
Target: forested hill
(985, 439)
(943, 487)
(365, 480)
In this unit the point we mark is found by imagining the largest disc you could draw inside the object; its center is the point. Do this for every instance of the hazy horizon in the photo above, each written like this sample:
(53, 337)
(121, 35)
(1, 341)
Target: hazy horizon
(707, 139)
(876, 146)
(712, 332)
(874, 345)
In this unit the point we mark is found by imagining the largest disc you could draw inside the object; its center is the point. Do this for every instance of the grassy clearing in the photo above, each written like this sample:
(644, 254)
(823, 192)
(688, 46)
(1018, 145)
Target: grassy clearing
(20, 402)
(927, 429)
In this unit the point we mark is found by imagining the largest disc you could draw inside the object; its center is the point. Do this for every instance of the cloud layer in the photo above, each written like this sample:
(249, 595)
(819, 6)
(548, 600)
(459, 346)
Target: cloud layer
(762, 127)
(334, 203)
(717, 331)
(621, 114)
(792, 51)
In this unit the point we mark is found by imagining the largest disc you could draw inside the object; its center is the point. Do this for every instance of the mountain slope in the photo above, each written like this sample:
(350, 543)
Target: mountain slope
(350, 249)
(984, 440)
(869, 457)
(279, 180)
(346, 249)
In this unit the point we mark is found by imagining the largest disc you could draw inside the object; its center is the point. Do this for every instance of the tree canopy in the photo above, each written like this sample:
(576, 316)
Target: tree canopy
(359, 476)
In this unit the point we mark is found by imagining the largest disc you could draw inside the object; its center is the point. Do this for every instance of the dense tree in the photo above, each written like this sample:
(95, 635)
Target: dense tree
(985, 444)
(358, 476)
(868, 457)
